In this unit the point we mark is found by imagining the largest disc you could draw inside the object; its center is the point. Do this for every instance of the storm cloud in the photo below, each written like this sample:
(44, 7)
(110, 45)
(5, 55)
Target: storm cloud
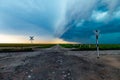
(70, 20)
(83, 17)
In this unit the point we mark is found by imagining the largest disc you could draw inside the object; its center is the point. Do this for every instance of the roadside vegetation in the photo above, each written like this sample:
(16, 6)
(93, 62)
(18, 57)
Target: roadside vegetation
(22, 47)
(16, 50)
(27, 45)
(77, 47)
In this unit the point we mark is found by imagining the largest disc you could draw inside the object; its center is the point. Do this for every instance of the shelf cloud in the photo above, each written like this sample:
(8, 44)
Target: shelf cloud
(68, 20)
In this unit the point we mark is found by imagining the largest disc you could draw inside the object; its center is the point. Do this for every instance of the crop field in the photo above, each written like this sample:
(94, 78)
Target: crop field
(78, 46)
(74, 47)
(92, 46)
(22, 47)
(27, 45)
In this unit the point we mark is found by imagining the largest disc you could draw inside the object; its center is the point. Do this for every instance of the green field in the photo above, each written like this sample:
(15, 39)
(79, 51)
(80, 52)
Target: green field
(22, 47)
(75, 47)
(92, 46)
(27, 45)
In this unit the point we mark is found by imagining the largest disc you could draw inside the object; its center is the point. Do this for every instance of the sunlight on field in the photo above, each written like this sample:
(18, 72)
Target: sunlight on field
(60, 41)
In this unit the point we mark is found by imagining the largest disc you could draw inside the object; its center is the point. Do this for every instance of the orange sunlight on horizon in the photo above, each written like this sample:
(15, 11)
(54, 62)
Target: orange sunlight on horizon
(21, 39)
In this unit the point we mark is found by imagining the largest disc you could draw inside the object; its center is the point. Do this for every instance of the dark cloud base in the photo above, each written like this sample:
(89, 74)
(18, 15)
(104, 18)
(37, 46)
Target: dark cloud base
(84, 33)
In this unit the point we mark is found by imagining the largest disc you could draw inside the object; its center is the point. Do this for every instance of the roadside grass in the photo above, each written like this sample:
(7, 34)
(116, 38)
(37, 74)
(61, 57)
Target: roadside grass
(22, 47)
(27, 45)
(16, 50)
(77, 47)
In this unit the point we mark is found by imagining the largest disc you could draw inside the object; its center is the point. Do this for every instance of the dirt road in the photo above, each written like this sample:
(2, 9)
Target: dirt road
(59, 63)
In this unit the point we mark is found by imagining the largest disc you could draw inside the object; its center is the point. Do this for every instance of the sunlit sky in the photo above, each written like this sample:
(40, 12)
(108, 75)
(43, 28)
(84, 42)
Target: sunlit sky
(59, 21)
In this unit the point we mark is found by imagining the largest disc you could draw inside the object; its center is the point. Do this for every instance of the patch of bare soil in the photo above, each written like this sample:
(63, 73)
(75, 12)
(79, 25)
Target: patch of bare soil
(112, 60)
(56, 66)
